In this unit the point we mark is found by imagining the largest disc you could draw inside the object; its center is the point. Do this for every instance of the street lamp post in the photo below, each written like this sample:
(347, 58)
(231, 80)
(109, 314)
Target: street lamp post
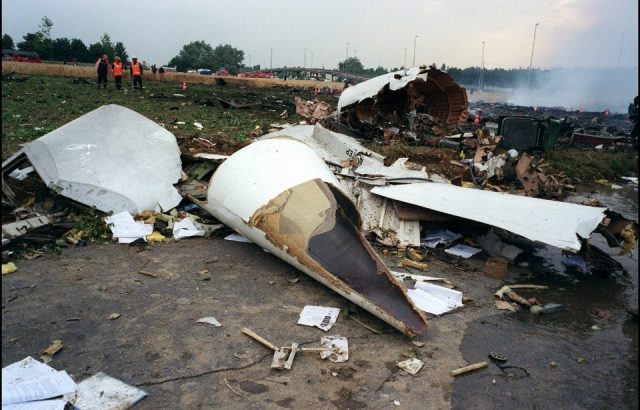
(620, 53)
(405, 59)
(535, 29)
(480, 80)
(414, 51)
(271, 58)
(346, 56)
(312, 59)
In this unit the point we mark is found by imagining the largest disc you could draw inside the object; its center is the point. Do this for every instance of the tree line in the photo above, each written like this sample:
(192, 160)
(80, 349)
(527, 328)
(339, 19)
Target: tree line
(65, 49)
(199, 54)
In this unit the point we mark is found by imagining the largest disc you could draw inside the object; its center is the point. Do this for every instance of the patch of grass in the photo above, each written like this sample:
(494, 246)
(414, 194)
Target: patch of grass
(41, 104)
(588, 166)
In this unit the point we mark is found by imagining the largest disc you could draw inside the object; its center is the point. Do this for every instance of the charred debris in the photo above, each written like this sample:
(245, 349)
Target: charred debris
(312, 194)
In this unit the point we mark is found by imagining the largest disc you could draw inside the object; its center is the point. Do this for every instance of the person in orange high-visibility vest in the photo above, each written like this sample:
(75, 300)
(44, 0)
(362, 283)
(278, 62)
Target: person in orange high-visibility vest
(136, 73)
(116, 69)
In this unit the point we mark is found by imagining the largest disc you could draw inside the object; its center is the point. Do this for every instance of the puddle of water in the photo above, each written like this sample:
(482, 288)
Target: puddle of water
(609, 344)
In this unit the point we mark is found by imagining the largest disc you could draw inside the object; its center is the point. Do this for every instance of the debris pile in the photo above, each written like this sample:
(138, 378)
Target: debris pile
(415, 104)
(313, 197)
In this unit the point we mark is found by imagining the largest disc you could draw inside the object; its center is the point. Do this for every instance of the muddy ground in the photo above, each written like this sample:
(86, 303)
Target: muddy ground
(157, 345)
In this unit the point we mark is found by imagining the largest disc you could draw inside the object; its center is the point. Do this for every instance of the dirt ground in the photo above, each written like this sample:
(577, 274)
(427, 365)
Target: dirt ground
(156, 343)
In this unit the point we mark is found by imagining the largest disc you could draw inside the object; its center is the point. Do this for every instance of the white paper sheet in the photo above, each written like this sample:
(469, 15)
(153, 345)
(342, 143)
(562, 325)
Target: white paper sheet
(56, 404)
(463, 251)
(319, 316)
(126, 229)
(49, 385)
(435, 299)
(103, 392)
(337, 348)
(186, 229)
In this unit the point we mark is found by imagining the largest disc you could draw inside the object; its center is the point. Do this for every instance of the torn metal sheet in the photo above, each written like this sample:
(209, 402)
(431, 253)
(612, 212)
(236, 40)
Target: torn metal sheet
(112, 158)
(430, 91)
(555, 223)
(282, 196)
(333, 147)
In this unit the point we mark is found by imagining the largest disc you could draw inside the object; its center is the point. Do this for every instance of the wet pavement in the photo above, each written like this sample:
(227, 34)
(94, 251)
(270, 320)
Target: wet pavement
(157, 345)
(583, 357)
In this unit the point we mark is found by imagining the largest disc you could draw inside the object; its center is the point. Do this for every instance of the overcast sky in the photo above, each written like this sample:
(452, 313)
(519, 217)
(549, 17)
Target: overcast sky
(572, 33)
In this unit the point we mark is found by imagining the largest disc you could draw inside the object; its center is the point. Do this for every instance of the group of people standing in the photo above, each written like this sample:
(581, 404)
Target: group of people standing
(116, 69)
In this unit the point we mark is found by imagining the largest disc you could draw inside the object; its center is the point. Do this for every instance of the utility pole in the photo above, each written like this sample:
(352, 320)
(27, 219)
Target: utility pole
(535, 29)
(250, 61)
(620, 53)
(346, 57)
(414, 51)
(480, 79)
(405, 59)
(271, 58)
(305, 58)
(355, 53)
(312, 59)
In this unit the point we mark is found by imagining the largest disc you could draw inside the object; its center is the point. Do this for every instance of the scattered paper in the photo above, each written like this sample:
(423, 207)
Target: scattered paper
(185, 229)
(114, 316)
(616, 186)
(633, 180)
(411, 366)
(125, 229)
(336, 348)
(463, 251)
(198, 125)
(210, 320)
(319, 316)
(435, 299)
(440, 236)
(237, 238)
(29, 380)
(103, 392)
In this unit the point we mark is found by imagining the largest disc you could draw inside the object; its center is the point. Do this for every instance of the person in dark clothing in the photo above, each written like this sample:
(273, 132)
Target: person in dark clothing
(136, 73)
(102, 67)
(633, 116)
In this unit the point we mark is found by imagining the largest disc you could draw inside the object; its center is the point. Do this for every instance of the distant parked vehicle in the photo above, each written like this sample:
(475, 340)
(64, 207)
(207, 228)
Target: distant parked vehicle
(204, 71)
(222, 73)
(192, 71)
(20, 56)
(256, 74)
(169, 69)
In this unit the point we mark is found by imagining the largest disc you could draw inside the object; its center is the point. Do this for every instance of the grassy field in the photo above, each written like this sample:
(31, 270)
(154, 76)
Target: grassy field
(41, 104)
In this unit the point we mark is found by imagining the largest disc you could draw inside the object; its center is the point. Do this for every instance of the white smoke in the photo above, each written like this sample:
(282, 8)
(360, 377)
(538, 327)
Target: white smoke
(592, 89)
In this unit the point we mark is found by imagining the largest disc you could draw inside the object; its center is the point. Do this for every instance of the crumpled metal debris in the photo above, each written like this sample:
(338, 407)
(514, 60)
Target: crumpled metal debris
(419, 101)
(313, 111)
(112, 158)
(307, 219)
